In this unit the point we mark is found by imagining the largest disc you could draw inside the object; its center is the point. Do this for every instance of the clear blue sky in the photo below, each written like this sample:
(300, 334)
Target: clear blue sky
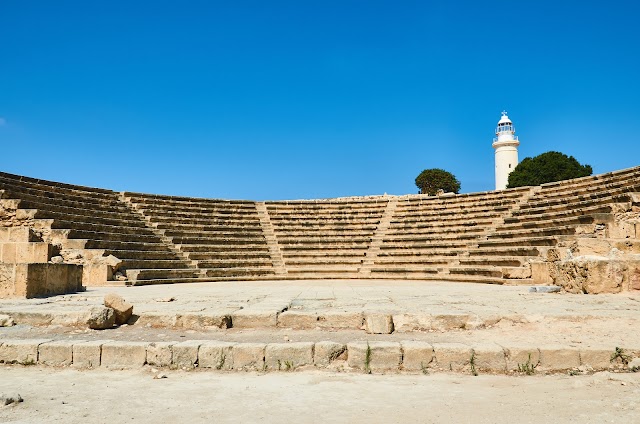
(304, 99)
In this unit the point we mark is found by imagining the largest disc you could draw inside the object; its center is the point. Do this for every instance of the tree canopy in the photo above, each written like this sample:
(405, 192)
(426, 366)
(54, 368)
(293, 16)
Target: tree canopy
(431, 180)
(547, 168)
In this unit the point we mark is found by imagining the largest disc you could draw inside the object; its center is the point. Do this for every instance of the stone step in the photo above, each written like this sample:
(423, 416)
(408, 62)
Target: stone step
(321, 269)
(219, 227)
(125, 245)
(488, 271)
(506, 251)
(36, 199)
(205, 220)
(141, 254)
(52, 185)
(222, 234)
(323, 259)
(239, 271)
(533, 232)
(511, 261)
(91, 214)
(101, 228)
(134, 275)
(409, 260)
(181, 214)
(231, 248)
(228, 255)
(94, 235)
(442, 226)
(154, 264)
(519, 241)
(219, 241)
(581, 216)
(234, 263)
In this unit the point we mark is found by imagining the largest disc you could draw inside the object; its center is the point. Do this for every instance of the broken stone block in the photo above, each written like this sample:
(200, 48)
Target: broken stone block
(249, 356)
(218, 355)
(378, 323)
(489, 357)
(101, 318)
(23, 352)
(452, 356)
(6, 321)
(557, 358)
(88, 354)
(288, 356)
(374, 356)
(185, 354)
(417, 356)
(124, 354)
(521, 356)
(326, 352)
(58, 353)
(121, 308)
(160, 354)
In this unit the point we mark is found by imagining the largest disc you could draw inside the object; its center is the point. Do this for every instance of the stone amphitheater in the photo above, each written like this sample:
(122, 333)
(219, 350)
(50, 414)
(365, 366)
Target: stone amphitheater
(531, 280)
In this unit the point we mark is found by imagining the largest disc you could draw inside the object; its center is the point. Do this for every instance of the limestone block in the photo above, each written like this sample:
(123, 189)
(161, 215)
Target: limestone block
(58, 353)
(521, 355)
(326, 352)
(378, 323)
(121, 308)
(160, 354)
(340, 320)
(489, 357)
(249, 356)
(88, 354)
(558, 358)
(405, 323)
(417, 356)
(9, 253)
(288, 356)
(374, 356)
(7, 281)
(298, 320)
(23, 352)
(445, 322)
(124, 354)
(94, 275)
(246, 318)
(452, 356)
(598, 359)
(101, 318)
(203, 320)
(185, 354)
(215, 354)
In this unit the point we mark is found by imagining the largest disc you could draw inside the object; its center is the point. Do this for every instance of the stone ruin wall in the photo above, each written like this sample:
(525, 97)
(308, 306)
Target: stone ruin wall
(98, 269)
(604, 257)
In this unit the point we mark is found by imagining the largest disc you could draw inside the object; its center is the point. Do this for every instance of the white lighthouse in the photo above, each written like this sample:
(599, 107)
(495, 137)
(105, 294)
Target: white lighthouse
(506, 145)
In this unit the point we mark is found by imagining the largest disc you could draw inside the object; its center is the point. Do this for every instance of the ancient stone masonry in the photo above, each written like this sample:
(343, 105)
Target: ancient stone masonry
(605, 255)
(514, 236)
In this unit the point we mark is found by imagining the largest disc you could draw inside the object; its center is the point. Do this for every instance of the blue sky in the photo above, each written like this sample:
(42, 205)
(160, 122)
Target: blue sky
(306, 99)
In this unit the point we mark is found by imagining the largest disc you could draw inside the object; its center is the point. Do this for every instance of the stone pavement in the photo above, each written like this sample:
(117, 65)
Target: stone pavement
(339, 324)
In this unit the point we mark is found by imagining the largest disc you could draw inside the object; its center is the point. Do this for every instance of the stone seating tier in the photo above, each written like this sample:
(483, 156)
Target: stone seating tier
(473, 237)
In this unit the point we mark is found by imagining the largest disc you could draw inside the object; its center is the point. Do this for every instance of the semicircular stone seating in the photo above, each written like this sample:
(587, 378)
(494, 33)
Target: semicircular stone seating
(490, 237)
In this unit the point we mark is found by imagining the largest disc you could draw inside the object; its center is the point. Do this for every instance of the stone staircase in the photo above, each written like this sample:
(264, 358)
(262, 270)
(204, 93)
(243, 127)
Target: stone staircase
(224, 239)
(325, 238)
(87, 225)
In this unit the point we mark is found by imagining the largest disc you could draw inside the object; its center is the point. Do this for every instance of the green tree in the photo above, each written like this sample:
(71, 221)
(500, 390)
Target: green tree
(547, 168)
(431, 180)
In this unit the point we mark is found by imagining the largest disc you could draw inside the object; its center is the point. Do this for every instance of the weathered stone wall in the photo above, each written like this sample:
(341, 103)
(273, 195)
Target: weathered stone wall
(39, 280)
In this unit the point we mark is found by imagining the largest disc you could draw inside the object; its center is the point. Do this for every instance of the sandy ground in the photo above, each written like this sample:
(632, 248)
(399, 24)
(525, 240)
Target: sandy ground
(72, 396)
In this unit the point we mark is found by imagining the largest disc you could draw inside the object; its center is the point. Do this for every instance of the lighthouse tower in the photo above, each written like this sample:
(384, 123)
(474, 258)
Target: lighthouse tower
(506, 145)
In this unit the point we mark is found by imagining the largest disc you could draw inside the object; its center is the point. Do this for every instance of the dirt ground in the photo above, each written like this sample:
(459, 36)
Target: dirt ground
(98, 396)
